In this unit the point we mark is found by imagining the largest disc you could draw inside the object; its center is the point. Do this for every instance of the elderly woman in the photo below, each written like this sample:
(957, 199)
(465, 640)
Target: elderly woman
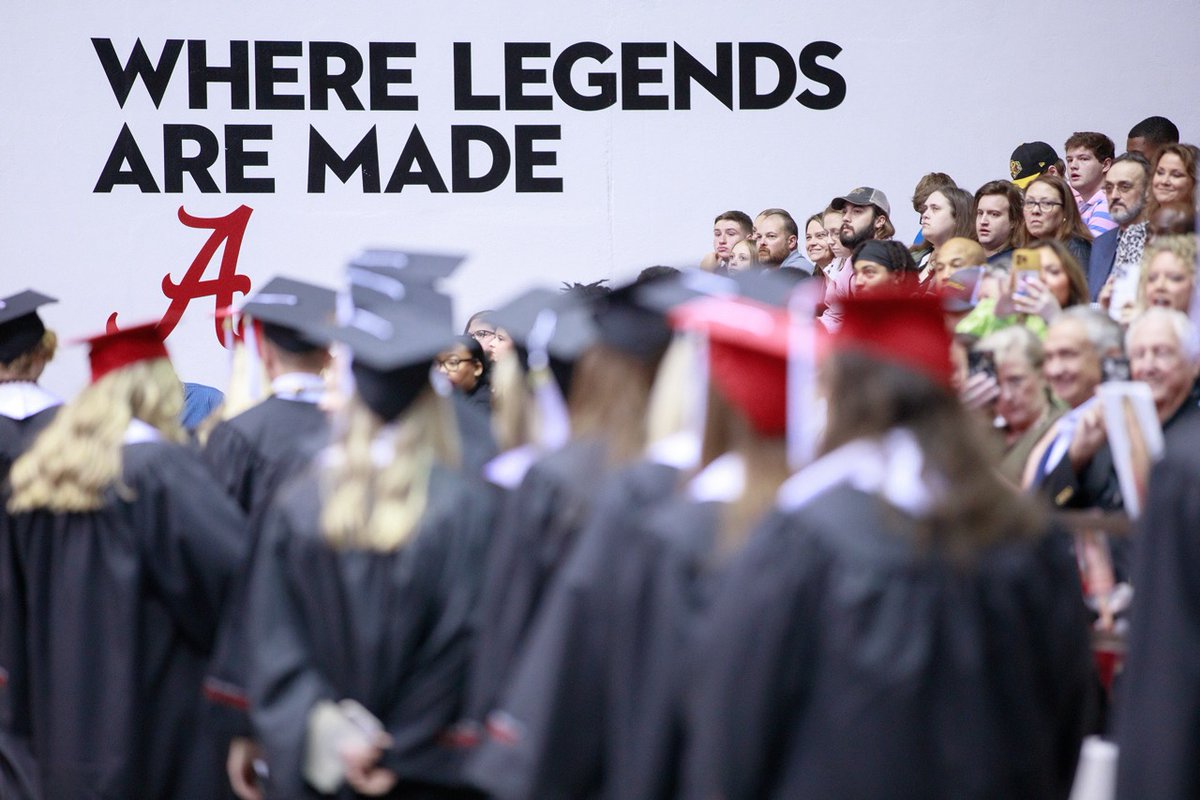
(1024, 411)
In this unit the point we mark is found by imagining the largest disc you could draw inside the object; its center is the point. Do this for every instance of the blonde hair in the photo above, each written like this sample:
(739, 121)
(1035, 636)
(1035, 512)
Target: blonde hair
(1182, 246)
(513, 410)
(378, 506)
(29, 364)
(78, 456)
(676, 396)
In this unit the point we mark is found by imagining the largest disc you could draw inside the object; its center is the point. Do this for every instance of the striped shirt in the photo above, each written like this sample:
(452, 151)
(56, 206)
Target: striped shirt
(1095, 212)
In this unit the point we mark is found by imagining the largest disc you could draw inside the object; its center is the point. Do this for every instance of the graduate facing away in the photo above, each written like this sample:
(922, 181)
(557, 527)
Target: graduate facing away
(116, 555)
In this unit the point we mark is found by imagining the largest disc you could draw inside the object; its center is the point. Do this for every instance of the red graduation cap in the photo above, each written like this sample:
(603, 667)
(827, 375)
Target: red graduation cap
(896, 326)
(110, 351)
(748, 349)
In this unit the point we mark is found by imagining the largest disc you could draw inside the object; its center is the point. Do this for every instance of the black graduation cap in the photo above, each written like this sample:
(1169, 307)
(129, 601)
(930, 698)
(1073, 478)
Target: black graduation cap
(402, 277)
(770, 287)
(407, 264)
(294, 314)
(574, 328)
(393, 348)
(20, 326)
(628, 321)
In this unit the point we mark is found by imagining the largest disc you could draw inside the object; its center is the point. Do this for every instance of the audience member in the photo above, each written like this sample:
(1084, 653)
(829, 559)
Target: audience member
(1024, 411)
(879, 264)
(729, 228)
(1117, 255)
(947, 214)
(1059, 284)
(1149, 135)
(929, 183)
(1169, 273)
(816, 242)
(956, 254)
(1089, 156)
(1161, 345)
(1031, 160)
(1051, 213)
(1174, 178)
(999, 219)
(778, 241)
(744, 256)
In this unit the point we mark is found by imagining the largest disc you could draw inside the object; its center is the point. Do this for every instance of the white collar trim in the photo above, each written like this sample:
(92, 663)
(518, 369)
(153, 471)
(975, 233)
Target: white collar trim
(139, 432)
(23, 399)
(722, 481)
(891, 467)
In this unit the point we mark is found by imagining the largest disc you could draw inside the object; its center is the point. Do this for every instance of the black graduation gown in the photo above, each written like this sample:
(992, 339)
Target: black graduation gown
(538, 526)
(594, 668)
(245, 452)
(843, 663)
(1158, 697)
(388, 629)
(108, 620)
(475, 433)
(17, 434)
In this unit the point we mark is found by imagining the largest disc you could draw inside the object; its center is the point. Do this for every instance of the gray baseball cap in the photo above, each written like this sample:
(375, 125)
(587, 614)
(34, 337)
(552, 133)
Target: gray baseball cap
(863, 196)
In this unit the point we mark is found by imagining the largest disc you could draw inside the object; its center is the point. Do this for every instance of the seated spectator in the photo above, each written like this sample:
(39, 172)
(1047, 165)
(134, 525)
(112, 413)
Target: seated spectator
(1050, 213)
(1149, 136)
(1032, 160)
(947, 214)
(1162, 354)
(1169, 274)
(929, 183)
(956, 254)
(1174, 178)
(728, 229)
(1024, 411)
(1075, 346)
(778, 241)
(1059, 284)
(831, 218)
(1089, 156)
(482, 329)
(999, 218)
(882, 264)
(816, 242)
(743, 256)
(1117, 255)
(1173, 219)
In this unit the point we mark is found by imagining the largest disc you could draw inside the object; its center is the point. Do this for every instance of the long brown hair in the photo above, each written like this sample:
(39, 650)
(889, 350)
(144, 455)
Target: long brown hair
(1185, 153)
(1076, 278)
(765, 460)
(868, 397)
(1072, 226)
(610, 395)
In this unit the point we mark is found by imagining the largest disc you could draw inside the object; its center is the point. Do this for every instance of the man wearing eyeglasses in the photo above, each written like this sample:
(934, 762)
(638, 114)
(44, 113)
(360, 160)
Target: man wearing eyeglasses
(1118, 253)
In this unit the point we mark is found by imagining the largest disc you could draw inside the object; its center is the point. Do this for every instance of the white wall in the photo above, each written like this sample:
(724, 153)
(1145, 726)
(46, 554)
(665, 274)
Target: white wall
(931, 86)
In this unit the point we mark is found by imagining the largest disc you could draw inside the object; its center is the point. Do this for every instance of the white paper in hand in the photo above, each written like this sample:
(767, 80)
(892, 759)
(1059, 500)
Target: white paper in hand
(332, 728)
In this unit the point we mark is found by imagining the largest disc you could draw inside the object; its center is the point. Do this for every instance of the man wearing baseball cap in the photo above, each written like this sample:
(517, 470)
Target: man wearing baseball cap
(866, 214)
(1032, 159)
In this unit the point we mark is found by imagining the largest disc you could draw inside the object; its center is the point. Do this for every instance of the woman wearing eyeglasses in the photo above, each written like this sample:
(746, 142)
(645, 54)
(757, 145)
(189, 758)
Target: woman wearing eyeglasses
(494, 341)
(467, 369)
(1050, 213)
